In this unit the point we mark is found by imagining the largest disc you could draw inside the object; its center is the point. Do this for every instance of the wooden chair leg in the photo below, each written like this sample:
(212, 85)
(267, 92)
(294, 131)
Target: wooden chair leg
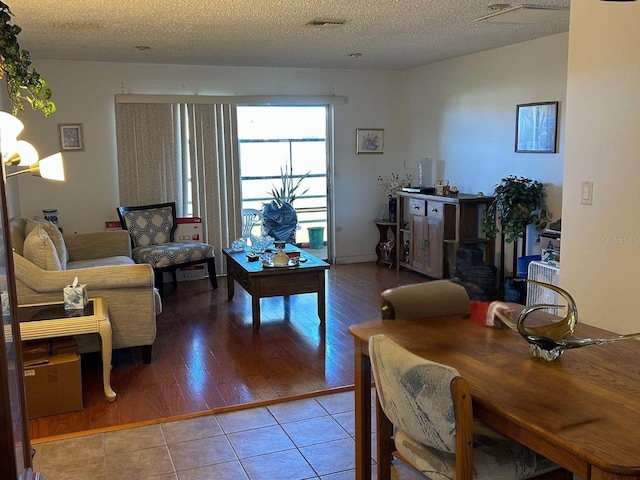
(385, 445)
(211, 267)
(147, 351)
(158, 274)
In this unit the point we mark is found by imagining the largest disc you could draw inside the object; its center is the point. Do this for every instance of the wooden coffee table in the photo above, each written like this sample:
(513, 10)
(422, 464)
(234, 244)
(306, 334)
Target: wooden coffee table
(261, 281)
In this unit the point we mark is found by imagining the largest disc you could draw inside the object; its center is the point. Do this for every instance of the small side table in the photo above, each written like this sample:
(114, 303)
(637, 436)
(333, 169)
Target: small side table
(49, 320)
(386, 247)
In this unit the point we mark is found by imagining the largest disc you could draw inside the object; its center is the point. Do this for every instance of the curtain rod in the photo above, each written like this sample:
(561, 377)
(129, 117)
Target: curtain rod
(235, 99)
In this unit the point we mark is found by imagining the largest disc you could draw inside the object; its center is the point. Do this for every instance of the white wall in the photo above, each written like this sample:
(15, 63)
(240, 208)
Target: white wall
(462, 113)
(601, 242)
(84, 93)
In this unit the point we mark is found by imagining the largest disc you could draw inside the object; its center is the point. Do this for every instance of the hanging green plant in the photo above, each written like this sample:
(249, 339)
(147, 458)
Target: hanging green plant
(520, 202)
(22, 83)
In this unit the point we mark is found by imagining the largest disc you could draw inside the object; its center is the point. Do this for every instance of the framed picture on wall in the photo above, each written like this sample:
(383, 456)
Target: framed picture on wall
(370, 140)
(537, 127)
(70, 136)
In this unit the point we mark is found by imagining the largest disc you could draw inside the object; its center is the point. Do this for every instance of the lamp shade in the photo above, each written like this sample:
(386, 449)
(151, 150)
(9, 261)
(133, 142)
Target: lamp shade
(27, 153)
(10, 128)
(50, 167)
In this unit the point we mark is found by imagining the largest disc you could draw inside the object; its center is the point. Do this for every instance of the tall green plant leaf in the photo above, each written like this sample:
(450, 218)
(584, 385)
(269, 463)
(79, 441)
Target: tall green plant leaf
(287, 191)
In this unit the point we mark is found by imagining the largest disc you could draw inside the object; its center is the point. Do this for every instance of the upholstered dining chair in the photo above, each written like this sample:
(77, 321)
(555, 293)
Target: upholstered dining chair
(151, 229)
(422, 300)
(250, 218)
(429, 405)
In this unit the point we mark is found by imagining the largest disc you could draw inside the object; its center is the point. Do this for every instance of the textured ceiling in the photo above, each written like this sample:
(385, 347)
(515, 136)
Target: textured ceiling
(390, 34)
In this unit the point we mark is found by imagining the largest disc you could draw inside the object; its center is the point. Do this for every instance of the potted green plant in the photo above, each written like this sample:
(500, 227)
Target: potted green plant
(519, 202)
(279, 218)
(23, 83)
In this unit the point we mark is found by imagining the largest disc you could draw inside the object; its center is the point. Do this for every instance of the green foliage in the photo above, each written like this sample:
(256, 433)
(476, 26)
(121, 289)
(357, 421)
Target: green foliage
(520, 202)
(288, 188)
(22, 83)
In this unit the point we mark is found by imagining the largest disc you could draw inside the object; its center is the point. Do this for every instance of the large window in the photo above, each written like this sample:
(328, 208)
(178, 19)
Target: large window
(278, 138)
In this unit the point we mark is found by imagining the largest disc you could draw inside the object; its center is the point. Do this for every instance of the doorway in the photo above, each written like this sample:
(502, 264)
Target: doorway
(296, 140)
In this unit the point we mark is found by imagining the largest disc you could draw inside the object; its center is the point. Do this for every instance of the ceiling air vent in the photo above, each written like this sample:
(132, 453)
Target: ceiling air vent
(325, 23)
(503, 13)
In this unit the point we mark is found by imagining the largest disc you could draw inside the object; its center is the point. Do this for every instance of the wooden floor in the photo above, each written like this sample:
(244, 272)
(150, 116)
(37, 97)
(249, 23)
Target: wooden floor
(207, 355)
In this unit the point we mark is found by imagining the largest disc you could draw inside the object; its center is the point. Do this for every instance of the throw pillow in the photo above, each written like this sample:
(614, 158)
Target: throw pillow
(151, 226)
(54, 234)
(40, 250)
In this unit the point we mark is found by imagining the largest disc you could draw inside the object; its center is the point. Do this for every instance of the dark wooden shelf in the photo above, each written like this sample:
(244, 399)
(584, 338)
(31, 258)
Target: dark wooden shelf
(387, 231)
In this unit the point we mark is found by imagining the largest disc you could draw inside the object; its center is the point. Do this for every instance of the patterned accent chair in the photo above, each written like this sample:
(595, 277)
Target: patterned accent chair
(429, 404)
(151, 229)
(422, 300)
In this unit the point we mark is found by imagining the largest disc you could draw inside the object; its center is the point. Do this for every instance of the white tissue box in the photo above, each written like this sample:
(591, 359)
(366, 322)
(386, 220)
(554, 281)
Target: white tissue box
(75, 297)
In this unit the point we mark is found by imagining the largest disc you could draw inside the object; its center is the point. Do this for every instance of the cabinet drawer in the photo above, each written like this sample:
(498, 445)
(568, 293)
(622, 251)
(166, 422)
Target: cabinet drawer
(435, 209)
(416, 207)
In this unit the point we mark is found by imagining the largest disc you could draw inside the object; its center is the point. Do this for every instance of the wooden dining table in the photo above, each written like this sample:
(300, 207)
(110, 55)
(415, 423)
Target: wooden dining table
(582, 411)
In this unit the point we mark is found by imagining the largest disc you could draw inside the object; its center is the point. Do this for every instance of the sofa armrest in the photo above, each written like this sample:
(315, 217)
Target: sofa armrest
(111, 277)
(128, 291)
(87, 246)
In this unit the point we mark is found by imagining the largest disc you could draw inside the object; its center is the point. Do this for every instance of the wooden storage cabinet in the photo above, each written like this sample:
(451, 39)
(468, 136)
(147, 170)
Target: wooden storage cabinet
(435, 226)
(417, 245)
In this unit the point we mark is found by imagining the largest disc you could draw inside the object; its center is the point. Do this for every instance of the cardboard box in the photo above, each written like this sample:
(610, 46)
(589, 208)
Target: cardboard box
(112, 225)
(36, 352)
(53, 383)
(188, 230)
(64, 345)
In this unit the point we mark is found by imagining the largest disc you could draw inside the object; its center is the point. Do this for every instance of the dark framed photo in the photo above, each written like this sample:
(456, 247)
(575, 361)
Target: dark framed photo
(70, 136)
(370, 140)
(537, 127)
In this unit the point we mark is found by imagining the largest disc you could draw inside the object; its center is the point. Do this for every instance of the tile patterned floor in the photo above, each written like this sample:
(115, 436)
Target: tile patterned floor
(302, 439)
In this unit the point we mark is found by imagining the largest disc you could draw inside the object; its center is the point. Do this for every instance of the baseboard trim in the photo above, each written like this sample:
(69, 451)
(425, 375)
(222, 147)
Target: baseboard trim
(215, 411)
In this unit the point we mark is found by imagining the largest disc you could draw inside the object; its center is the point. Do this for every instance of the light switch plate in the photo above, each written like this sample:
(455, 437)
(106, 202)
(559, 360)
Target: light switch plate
(586, 192)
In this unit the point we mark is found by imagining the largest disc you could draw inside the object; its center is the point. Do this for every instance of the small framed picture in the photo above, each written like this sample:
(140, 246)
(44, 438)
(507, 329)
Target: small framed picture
(70, 136)
(370, 140)
(537, 128)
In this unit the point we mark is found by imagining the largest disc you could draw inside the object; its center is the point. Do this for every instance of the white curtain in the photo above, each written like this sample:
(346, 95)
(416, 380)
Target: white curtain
(149, 166)
(160, 144)
(215, 172)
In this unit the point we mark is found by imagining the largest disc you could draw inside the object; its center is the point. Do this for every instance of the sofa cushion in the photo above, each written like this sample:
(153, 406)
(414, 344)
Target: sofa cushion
(17, 226)
(100, 262)
(40, 250)
(159, 256)
(54, 234)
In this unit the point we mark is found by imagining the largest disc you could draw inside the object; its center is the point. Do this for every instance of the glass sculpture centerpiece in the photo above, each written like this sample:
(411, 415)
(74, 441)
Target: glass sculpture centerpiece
(549, 341)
